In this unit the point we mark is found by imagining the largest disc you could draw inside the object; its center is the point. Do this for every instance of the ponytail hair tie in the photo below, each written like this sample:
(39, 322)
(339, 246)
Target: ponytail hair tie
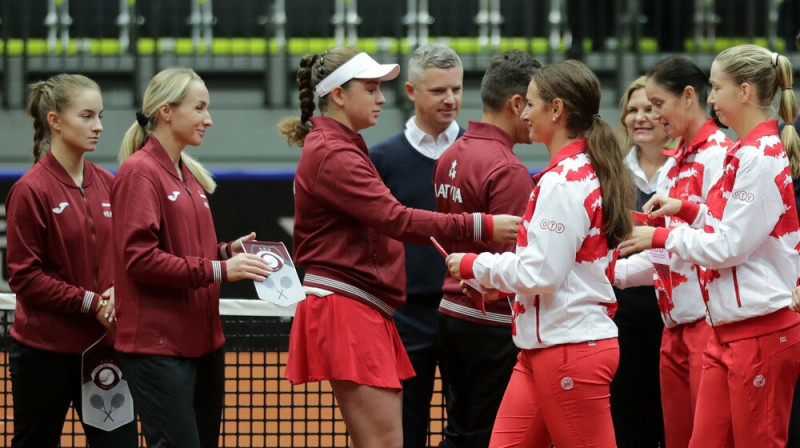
(775, 59)
(596, 117)
(787, 88)
(141, 118)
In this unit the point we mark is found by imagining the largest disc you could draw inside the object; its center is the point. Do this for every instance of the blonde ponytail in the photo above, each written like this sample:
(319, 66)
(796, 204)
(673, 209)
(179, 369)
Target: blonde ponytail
(203, 176)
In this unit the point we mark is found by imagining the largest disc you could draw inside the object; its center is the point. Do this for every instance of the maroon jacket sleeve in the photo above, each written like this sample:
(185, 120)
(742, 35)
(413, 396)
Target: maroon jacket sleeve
(26, 215)
(351, 184)
(137, 228)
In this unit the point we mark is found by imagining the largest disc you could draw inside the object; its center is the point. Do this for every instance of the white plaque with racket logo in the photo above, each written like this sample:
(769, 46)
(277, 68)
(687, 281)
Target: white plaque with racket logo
(283, 286)
(106, 399)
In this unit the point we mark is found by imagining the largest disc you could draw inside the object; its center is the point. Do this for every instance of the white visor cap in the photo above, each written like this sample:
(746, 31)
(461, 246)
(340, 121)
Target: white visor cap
(360, 66)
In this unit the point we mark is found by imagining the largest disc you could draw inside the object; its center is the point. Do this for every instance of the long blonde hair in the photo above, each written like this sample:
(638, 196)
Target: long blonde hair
(754, 65)
(53, 95)
(169, 86)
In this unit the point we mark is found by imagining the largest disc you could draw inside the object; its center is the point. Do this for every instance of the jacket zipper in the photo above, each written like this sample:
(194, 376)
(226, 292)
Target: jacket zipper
(94, 241)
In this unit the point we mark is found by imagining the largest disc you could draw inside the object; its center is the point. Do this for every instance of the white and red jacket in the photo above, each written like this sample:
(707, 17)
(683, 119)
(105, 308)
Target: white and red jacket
(347, 223)
(559, 269)
(479, 173)
(692, 172)
(59, 255)
(167, 264)
(750, 239)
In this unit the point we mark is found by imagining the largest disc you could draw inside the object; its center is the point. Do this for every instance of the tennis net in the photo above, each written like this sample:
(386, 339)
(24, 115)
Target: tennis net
(262, 409)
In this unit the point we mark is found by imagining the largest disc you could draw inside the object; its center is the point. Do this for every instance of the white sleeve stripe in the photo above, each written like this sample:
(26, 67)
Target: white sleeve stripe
(88, 298)
(476, 218)
(216, 266)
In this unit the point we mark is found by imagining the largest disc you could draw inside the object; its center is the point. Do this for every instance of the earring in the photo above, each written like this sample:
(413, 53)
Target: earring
(554, 118)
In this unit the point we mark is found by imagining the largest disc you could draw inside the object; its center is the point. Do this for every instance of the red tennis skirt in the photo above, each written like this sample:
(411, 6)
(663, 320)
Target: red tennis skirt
(339, 338)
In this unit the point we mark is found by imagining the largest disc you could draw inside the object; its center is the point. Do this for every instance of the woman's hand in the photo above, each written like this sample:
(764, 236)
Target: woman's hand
(247, 266)
(106, 314)
(237, 247)
(641, 239)
(659, 206)
(795, 305)
(453, 262)
(505, 228)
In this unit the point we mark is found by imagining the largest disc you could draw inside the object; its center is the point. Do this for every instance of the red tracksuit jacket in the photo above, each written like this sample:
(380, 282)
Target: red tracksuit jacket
(167, 268)
(59, 255)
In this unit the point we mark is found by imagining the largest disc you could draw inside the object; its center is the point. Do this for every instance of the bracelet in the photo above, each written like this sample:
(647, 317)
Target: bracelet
(102, 304)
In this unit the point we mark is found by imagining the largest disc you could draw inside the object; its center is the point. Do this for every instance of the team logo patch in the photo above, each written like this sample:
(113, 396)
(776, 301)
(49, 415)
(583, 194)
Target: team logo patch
(106, 209)
(743, 196)
(567, 383)
(174, 196)
(106, 376)
(552, 226)
(759, 381)
(452, 172)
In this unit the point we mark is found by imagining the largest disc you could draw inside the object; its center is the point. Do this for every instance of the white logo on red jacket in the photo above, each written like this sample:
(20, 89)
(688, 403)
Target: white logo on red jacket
(106, 208)
(448, 191)
(61, 206)
(174, 196)
(452, 172)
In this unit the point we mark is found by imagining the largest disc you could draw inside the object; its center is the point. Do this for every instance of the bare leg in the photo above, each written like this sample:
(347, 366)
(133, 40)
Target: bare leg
(373, 415)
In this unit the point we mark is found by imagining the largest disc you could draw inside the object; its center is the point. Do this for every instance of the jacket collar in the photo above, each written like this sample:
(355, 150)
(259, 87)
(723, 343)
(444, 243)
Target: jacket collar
(479, 129)
(706, 130)
(50, 163)
(768, 127)
(336, 129)
(571, 149)
(154, 149)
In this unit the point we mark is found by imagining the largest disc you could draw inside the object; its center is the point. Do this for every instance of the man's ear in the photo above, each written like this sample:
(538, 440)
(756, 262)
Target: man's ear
(517, 104)
(410, 91)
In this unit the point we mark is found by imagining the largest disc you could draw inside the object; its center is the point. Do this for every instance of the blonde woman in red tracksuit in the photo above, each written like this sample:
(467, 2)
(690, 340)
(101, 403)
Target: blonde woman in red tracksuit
(562, 313)
(747, 238)
(59, 261)
(345, 224)
(694, 167)
(168, 267)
